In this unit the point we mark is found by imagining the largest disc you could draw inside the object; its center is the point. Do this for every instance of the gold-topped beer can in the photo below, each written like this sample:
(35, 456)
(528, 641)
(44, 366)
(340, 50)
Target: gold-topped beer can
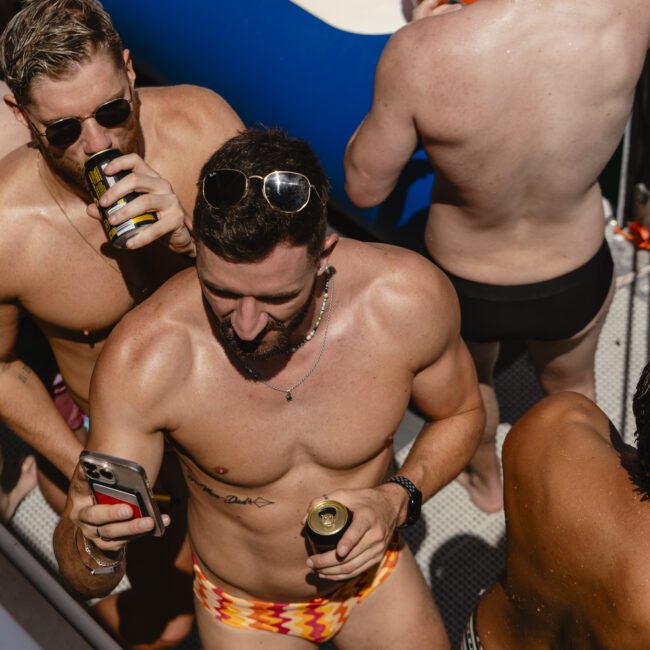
(325, 525)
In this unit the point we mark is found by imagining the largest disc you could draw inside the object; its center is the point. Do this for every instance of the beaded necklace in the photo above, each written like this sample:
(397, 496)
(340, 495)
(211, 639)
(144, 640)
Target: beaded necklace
(289, 391)
(312, 333)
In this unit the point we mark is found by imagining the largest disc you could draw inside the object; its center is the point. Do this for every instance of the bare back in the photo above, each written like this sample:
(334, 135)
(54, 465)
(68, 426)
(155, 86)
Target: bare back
(520, 106)
(577, 537)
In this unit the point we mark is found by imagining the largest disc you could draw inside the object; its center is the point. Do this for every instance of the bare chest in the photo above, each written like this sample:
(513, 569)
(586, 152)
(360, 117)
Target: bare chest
(342, 418)
(76, 282)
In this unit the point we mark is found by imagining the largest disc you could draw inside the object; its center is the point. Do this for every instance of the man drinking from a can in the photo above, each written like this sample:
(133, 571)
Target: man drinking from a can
(72, 88)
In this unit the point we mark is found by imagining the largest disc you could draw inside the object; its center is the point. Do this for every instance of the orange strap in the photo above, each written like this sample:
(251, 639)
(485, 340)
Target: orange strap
(636, 233)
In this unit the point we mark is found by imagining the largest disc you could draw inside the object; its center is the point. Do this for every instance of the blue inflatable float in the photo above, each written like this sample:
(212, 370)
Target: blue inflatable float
(304, 65)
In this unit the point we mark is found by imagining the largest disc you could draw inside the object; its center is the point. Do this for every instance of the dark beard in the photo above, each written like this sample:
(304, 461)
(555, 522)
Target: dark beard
(257, 349)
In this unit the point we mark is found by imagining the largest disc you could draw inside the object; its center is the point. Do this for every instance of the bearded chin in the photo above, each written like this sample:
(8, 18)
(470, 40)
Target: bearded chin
(258, 350)
(254, 350)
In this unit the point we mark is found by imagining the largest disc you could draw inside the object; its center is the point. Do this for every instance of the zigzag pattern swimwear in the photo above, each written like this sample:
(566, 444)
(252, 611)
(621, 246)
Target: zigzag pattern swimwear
(317, 620)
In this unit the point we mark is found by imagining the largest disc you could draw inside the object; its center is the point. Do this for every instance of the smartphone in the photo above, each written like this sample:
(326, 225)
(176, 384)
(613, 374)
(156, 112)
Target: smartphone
(119, 481)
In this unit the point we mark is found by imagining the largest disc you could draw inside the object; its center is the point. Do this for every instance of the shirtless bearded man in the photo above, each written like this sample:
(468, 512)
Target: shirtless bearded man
(72, 86)
(519, 106)
(281, 373)
(568, 477)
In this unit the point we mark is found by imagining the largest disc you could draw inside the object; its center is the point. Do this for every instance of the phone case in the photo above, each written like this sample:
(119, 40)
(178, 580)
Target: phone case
(117, 480)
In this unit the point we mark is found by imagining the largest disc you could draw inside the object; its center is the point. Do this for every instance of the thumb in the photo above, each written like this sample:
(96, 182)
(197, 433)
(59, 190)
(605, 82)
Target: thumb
(93, 211)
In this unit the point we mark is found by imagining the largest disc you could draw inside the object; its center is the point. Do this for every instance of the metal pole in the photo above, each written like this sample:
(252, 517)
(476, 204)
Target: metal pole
(622, 183)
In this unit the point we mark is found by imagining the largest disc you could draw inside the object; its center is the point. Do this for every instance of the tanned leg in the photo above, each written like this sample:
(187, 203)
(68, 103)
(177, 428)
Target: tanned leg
(482, 477)
(569, 364)
(9, 501)
(400, 613)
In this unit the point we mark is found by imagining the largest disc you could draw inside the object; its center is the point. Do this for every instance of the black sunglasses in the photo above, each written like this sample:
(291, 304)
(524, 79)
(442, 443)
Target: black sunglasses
(67, 130)
(285, 191)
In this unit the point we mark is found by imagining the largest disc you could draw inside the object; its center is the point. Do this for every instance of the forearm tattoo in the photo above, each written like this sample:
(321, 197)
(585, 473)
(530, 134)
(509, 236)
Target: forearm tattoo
(231, 499)
(23, 373)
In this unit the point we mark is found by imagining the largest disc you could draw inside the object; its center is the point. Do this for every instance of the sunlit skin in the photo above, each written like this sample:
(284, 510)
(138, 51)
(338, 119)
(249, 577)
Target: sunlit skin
(516, 198)
(73, 284)
(14, 135)
(576, 575)
(256, 463)
(77, 310)
(52, 100)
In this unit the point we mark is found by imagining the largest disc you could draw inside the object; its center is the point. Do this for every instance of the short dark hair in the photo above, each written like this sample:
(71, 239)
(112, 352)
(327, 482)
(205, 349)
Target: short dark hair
(641, 410)
(50, 38)
(251, 229)
(637, 461)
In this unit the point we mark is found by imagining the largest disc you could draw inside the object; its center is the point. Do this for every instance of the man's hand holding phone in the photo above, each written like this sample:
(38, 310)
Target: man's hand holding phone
(111, 515)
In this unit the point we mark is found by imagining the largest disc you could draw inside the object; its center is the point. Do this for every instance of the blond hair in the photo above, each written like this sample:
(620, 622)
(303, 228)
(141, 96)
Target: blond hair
(51, 38)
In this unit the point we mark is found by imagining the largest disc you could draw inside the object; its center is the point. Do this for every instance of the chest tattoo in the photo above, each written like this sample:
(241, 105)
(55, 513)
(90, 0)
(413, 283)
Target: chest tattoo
(230, 499)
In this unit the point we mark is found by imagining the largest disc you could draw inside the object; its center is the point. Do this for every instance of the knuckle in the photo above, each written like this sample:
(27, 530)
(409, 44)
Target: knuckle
(375, 537)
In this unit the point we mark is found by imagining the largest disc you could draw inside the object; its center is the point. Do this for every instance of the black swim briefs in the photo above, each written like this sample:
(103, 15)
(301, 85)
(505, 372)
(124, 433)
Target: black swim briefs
(552, 310)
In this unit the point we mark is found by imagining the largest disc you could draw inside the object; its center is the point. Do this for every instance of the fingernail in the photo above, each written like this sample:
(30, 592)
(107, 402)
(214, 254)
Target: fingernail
(124, 511)
(310, 564)
(166, 520)
(145, 524)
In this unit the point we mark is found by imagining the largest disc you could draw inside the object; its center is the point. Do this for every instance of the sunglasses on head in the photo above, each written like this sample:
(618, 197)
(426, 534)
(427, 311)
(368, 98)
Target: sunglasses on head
(67, 130)
(285, 191)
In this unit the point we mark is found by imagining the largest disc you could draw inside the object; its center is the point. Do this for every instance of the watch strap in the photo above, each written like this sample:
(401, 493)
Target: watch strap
(415, 499)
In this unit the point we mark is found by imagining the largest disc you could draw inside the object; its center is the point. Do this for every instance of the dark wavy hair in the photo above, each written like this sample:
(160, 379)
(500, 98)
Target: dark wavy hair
(251, 229)
(637, 461)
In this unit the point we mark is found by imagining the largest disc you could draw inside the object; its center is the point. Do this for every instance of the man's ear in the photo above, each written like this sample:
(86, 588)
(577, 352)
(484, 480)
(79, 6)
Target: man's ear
(12, 105)
(128, 64)
(326, 252)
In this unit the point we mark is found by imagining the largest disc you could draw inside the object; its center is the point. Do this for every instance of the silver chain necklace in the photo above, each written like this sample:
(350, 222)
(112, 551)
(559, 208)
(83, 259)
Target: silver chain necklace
(46, 184)
(289, 391)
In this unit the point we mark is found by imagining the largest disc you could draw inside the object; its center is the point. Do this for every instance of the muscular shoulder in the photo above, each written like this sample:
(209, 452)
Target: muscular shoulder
(148, 354)
(186, 110)
(24, 213)
(430, 47)
(404, 294)
(553, 427)
(429, 66)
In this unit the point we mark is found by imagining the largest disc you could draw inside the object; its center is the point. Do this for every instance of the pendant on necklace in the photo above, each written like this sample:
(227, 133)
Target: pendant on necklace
(289, 396)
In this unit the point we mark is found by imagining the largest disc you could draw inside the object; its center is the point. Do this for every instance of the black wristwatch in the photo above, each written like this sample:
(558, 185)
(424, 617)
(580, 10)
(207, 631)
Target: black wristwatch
(415, 499)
